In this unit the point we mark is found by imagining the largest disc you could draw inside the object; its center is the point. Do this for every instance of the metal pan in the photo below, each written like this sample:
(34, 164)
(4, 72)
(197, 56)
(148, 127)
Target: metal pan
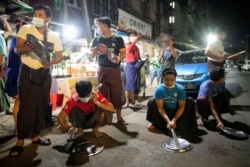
(234, 133)
(177, 144)
(86, 148)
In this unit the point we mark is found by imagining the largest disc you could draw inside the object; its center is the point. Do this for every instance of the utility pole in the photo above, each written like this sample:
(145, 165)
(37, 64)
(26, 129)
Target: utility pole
(248, 47)
(86, 16)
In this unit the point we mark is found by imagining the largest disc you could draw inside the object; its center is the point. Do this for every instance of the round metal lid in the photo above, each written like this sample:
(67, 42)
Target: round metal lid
(87, 148)
(180, 146)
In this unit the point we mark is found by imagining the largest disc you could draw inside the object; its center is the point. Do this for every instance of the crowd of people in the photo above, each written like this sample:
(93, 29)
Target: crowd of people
(169, 108)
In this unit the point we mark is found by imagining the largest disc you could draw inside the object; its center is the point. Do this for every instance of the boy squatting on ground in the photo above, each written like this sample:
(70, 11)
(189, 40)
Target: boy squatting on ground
(84, 110)
(213, 99)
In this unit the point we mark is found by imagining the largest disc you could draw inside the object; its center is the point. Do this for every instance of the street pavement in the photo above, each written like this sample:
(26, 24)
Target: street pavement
(134, 146)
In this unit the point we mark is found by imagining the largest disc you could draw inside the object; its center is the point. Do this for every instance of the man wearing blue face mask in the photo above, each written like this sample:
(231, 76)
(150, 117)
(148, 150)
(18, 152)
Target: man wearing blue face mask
(170, 108)
(84, 110)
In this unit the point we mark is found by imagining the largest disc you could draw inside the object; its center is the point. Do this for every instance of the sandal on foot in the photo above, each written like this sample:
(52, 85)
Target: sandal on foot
(42, 141)
(122, 122)
(139, 105)
(98, 134)
(16, 149)
(125, 106)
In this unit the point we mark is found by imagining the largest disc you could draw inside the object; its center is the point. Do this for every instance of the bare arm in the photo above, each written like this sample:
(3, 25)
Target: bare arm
(215, 114)
(180, 110)
(162, 112)
(93, 52)
(122, 54)
(173, 51)
(161, 56)
(109, 106)
(7, 28)
(22, 46)
(61, 120)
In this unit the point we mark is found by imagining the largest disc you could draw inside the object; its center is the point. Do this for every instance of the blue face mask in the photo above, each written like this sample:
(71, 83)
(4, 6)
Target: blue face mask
(84, 99)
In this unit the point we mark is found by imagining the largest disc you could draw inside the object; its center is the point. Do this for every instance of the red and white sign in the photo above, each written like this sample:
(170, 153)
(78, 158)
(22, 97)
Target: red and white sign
(128, 22)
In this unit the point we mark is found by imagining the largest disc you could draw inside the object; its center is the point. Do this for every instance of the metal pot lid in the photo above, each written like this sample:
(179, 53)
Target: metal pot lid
(87, 148)
(234, 133)
(182, 146)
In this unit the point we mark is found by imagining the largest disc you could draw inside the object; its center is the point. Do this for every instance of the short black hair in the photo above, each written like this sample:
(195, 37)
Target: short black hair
(217, 73)
(106, 20)
(46, 8)
(132, 32)
(83, 88)
(168, 71)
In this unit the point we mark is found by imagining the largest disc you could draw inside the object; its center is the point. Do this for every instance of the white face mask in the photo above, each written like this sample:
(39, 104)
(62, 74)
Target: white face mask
(84, 100)
(38, 22)
(98, 31)
(132, 39)
(170, 87)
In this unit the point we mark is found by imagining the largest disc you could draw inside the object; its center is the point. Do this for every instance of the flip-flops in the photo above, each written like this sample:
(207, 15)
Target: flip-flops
(17, 149)
(122, 122)
(125, 106)
(42, 141)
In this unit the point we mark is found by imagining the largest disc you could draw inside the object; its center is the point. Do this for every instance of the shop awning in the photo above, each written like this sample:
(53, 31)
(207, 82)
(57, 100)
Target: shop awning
(22, 5)
(15, 7)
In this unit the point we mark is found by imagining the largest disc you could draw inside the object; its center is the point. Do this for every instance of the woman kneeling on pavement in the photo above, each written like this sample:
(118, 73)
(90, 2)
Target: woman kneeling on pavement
(170, 108)
(85, 110)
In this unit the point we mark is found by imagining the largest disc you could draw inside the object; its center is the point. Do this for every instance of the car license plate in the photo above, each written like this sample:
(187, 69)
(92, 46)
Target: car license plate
(189, 85)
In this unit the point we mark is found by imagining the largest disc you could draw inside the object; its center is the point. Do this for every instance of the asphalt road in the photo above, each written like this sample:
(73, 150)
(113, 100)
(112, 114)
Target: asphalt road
(135, 146)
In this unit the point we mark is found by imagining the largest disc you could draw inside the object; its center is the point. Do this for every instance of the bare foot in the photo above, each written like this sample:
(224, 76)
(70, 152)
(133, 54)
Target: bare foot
(98, 134)
(151, 127)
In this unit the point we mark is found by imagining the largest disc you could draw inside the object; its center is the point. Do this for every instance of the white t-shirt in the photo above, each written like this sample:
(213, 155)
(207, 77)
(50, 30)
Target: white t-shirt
(52, 37)
(216, 48)
(31, 59)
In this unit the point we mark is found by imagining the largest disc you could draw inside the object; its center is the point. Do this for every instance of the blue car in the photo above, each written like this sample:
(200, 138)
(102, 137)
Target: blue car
(192, 70)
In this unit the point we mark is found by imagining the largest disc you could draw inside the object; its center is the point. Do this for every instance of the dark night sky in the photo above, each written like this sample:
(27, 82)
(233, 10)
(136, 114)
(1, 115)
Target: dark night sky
(235, 15)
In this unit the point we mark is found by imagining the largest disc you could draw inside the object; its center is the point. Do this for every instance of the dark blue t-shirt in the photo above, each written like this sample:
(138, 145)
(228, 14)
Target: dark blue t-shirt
(114, 44)
(209, 91)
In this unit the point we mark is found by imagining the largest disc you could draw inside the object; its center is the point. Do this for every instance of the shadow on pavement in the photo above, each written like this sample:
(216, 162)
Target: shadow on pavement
(79, 159)
(193, 136)
(25, 159)
(234, 89)
(124, 130)
(6, 138)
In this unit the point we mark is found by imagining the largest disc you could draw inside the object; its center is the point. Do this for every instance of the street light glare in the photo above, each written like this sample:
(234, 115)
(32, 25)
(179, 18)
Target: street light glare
(69, 32)
(211, 37)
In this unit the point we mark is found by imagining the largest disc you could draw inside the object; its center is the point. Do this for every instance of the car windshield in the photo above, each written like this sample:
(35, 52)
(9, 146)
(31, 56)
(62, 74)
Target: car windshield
(191, 58)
